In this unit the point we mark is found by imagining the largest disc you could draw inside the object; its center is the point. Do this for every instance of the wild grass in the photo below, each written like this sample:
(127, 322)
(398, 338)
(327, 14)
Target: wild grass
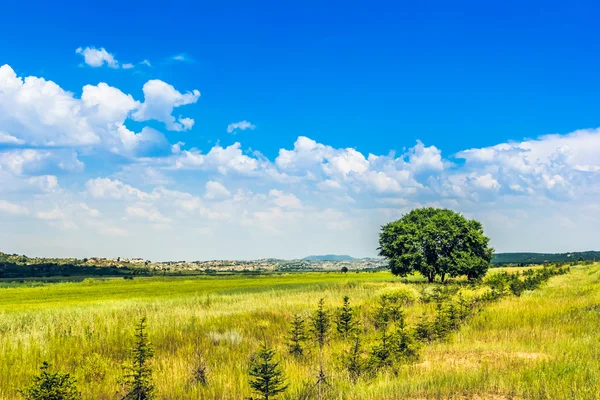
(541, 345)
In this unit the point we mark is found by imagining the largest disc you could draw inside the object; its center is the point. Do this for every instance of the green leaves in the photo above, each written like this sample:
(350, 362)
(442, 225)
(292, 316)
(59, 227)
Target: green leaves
(435, 242)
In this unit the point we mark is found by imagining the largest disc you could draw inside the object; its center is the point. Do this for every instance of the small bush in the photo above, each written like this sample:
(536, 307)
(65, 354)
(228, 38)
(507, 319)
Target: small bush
(51, 386)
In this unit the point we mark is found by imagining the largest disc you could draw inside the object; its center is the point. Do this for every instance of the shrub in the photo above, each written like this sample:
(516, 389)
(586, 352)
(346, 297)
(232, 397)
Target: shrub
(51, 386)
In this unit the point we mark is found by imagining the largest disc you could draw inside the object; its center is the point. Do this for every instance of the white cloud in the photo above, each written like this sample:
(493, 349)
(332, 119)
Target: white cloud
(92, 212)
(550, 165)
(346, 162)
(423, 158)
(223, 160)
(36, 112)
(127, 66)
(47, 132)
(97, 57)
(146, 212)
(329, 184)
(39, 112)
(486, 182)
(159, 100)
(12, 208)
(107, 104)
(5, 138)
(215, 191)
(51, 215)
(242, 126)
(31, 162)
(114, 189)
(44, 183)
(182, 57)
(281, 199)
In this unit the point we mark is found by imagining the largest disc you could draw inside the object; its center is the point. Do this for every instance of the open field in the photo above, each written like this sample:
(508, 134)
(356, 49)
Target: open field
(542, 345)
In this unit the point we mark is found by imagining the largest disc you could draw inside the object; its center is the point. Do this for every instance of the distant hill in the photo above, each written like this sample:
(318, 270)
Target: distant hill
(329, 257)
(541, 258)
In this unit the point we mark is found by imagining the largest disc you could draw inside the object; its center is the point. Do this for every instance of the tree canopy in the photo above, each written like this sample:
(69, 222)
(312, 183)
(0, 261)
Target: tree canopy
(435, 242)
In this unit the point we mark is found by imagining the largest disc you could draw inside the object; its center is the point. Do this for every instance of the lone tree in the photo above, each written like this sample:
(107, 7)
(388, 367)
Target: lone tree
(435, 242)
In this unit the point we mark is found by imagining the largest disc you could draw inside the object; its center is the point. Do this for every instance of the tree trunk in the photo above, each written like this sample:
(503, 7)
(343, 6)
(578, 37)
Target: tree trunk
(443, 276)
(430, 277)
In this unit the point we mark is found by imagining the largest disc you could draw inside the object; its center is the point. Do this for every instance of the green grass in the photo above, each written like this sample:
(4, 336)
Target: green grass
(542, 345)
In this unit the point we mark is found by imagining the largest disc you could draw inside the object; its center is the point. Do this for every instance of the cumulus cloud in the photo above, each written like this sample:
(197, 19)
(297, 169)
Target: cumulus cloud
(35, 112)
(160, 99)
(40, 113)
(97, 57)
(242, 126)
(107, 104)
(552, 165)
(308, 189)
(223, 160)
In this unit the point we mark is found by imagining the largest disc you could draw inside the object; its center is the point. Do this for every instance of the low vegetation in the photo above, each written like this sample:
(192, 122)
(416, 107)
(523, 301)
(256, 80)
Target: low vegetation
(368, 337)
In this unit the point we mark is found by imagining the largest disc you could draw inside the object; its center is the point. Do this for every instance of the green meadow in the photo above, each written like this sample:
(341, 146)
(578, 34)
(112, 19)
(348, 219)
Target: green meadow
(543, 344)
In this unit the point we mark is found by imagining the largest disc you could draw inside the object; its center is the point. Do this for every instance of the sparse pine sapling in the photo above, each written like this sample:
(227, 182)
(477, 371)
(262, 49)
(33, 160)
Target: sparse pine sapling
(452, 317)
(297, 336)
(441, 324)
(138, 374)
(51, 386)
(424, 330)
(406, 347)
(382, 314)
(382, 352)
(353, 360)
(320, 325)
(266, 374)
(345, 319)
(320, 330)
(463, 308)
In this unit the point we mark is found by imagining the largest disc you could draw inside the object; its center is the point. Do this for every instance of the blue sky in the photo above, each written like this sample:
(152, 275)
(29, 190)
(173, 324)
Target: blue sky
(354, 112)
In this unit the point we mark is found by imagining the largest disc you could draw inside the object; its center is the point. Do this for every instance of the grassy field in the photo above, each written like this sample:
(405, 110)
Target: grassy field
(542, 345)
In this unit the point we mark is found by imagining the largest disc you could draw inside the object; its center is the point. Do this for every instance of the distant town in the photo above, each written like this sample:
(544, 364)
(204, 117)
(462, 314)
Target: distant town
(311, 263)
